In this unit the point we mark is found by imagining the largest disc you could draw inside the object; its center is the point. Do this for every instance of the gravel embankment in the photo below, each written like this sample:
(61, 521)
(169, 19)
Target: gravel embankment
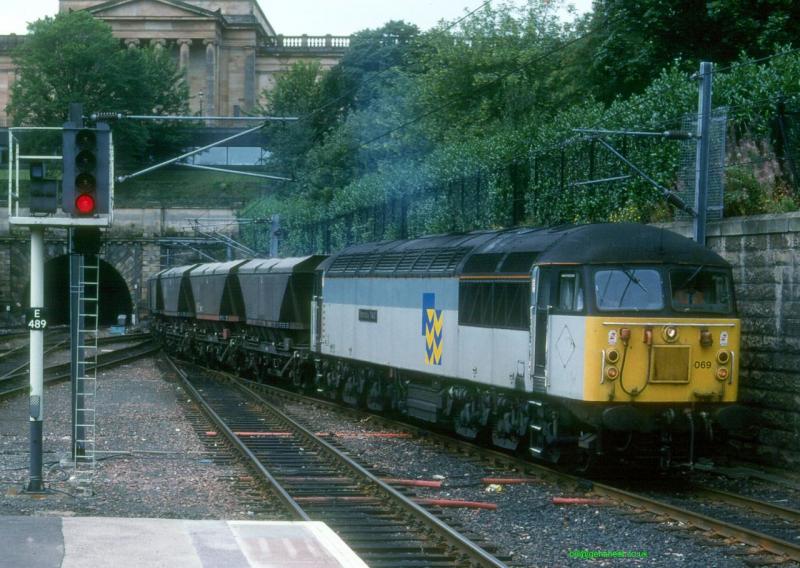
(526, 523)
(159, 466)
(155, 463)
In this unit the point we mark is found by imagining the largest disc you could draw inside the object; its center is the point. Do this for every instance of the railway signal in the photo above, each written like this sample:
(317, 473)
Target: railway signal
(87, 170)
(44, 192)
(86, 206)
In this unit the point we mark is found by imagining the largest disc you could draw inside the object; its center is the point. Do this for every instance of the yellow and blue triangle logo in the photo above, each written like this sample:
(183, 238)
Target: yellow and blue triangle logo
(432, 327)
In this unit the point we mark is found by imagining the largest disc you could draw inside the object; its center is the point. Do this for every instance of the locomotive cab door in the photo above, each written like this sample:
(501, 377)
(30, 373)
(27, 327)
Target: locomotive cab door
(540, 301)
(316, 313)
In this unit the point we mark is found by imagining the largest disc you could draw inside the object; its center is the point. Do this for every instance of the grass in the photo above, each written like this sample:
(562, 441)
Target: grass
(180, 187)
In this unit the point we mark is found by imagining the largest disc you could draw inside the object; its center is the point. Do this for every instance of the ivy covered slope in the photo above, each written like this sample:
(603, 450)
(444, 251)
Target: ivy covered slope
(473, 124)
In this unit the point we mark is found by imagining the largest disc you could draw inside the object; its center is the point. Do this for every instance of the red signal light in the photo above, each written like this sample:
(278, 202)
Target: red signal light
(84, 203)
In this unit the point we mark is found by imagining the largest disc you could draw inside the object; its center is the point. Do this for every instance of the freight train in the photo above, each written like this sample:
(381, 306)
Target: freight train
(566, 343)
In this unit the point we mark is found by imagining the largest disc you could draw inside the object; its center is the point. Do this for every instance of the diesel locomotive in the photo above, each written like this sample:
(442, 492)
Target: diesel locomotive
(567, 343)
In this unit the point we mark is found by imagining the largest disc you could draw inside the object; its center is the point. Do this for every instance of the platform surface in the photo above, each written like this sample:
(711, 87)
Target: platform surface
(88, 542)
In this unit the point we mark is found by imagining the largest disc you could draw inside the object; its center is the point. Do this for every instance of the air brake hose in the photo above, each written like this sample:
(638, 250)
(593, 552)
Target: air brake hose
(634, 393)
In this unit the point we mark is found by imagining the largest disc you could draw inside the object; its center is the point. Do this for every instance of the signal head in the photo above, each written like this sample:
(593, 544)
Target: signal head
(86, 139)
(84, 204)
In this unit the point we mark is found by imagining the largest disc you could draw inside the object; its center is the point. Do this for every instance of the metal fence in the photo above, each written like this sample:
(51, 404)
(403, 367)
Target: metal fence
(578, 181)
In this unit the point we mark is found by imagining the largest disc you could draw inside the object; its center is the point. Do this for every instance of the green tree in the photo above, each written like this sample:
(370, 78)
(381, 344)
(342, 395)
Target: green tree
(73, 57)
(296, 94)
(630, 42)
(362, 74)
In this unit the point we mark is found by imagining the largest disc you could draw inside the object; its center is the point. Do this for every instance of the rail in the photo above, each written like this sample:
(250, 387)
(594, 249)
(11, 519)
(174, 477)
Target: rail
(330, 479)
(736, 531)
(17, 383)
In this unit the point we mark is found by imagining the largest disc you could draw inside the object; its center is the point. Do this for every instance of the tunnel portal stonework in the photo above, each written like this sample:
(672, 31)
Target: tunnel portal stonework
(134, 260)
(141, 243)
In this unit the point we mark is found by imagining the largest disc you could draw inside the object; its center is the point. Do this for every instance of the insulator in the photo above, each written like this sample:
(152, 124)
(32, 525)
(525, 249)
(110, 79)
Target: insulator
(678, 135)
(107, 116)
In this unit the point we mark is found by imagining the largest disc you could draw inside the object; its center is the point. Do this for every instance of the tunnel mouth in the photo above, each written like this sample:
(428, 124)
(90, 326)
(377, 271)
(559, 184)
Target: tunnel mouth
(114, 298)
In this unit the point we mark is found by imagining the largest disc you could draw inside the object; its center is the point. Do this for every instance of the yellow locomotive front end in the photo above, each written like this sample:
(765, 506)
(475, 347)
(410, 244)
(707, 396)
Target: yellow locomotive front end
(661, 359)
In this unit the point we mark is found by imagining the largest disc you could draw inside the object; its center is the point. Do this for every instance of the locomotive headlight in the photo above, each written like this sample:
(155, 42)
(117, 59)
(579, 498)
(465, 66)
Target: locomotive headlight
(670, 334)
(612, 356)
(722, 373)
(723, 357)
(612, 373)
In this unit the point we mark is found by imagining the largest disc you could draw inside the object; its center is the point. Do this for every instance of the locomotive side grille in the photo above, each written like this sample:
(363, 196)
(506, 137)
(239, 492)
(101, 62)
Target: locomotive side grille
(407, 261)
(369, 264)
(388, 263)
(447, 260)
(670, 364)
(423, 262)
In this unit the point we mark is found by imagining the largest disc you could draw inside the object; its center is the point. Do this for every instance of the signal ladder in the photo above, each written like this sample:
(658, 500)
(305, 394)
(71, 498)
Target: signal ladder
(86, 387)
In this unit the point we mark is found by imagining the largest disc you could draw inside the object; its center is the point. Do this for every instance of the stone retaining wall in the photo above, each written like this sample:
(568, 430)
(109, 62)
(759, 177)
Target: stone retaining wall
(765, 253)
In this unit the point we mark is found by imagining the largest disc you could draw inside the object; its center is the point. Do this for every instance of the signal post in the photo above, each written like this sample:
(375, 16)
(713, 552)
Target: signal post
(86, 205)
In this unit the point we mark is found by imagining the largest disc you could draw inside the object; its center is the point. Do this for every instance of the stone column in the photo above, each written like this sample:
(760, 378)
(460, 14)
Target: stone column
(158, 44)
(183, 61)
(250, 80)
(211, 76)
(132, 43)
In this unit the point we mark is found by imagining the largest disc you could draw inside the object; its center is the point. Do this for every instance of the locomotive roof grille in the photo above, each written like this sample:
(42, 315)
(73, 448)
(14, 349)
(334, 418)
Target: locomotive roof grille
(424, 261)
(388, 262)
(434, 261)
(407, 262)
(515, 251)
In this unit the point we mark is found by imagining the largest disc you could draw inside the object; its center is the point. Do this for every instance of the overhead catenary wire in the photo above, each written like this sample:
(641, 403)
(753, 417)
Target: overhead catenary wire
(737, 65)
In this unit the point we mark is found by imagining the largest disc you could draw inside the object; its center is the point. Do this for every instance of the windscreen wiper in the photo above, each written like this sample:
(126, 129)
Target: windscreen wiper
(629, 273)
(693, 276)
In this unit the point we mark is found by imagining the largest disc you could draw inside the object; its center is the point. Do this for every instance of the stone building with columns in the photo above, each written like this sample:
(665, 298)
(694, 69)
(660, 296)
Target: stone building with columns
(230, 51)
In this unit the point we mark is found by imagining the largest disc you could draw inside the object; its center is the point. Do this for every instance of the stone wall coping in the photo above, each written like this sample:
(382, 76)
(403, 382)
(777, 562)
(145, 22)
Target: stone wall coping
(742, 226)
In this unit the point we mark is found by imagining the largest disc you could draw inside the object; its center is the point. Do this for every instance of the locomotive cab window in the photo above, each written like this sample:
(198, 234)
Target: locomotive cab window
(570, 292)
(700, 289)
(634, 289)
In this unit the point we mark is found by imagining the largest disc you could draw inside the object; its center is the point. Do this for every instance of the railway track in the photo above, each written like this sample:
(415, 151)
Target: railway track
(736, 525)
(18, 382)
(7, 334)
(16, 360)
(788, 516)
(761, 525)
(316, 481)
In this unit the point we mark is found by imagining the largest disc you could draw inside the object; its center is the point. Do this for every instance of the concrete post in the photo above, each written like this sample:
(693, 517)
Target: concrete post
(35, 483)
(274, 235)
